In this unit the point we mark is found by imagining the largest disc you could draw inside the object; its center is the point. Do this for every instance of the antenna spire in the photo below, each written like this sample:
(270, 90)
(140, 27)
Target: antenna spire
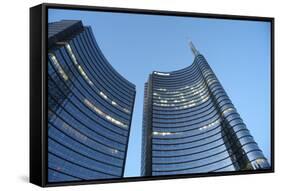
(193, 49)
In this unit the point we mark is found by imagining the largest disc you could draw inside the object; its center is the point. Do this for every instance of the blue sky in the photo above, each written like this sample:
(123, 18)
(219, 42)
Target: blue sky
(237, 51)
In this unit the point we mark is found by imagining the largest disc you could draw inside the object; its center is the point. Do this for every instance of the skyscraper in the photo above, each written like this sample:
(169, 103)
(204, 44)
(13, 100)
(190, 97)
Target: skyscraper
(90, 107)
(191, 126)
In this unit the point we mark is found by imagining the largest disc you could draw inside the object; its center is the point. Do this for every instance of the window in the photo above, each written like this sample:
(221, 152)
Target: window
(163, 133)
(106, 116)
(80, 69)
(58, 66)
(210, 125)
(227, 111)
(162, 74)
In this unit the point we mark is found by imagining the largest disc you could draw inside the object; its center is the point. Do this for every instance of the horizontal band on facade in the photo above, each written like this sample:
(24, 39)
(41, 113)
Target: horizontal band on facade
(82, 123)
(186, 128)
(67, 174)
(193, 79)
(171, 116)
(84, 155)
(192, 141)
(87, 115)
(63, 53)
(205, 164)
(210, 111)
(102, 102)
(193, 147)
(193, 153)
(178, 94)
(198, 159)
(187, 125)
(84, 167)
(171, 109)
(94, 140)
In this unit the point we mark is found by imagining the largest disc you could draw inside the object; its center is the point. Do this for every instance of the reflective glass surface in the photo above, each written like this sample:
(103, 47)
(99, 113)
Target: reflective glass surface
(89, 108)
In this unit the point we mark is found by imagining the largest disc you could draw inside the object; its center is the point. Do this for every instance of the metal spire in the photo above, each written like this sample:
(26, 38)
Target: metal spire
(193, 49)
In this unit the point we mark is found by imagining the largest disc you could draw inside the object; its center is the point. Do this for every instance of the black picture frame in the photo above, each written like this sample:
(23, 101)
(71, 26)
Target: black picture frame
(38, 91)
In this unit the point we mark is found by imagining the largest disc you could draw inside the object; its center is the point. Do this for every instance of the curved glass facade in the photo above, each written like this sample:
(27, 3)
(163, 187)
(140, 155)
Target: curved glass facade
(191, 126)
(89, 107)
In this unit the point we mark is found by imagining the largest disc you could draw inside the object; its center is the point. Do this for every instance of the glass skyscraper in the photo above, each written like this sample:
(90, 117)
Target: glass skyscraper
(90, 107)
(191, 126)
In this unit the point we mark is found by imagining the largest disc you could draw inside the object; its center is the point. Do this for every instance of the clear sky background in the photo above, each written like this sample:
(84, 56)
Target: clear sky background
(237, 51)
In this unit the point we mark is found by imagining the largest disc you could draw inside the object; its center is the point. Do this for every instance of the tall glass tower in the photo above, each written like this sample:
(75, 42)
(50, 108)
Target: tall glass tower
(191, 126)
(90, 107)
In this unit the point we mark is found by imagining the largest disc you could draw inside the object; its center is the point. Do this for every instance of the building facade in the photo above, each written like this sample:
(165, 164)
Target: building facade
(90, 107)
(191, 126)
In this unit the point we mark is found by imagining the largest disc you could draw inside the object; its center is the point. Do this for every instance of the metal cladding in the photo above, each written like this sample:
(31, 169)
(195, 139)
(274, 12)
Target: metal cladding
(90, 107)
(191, 126)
